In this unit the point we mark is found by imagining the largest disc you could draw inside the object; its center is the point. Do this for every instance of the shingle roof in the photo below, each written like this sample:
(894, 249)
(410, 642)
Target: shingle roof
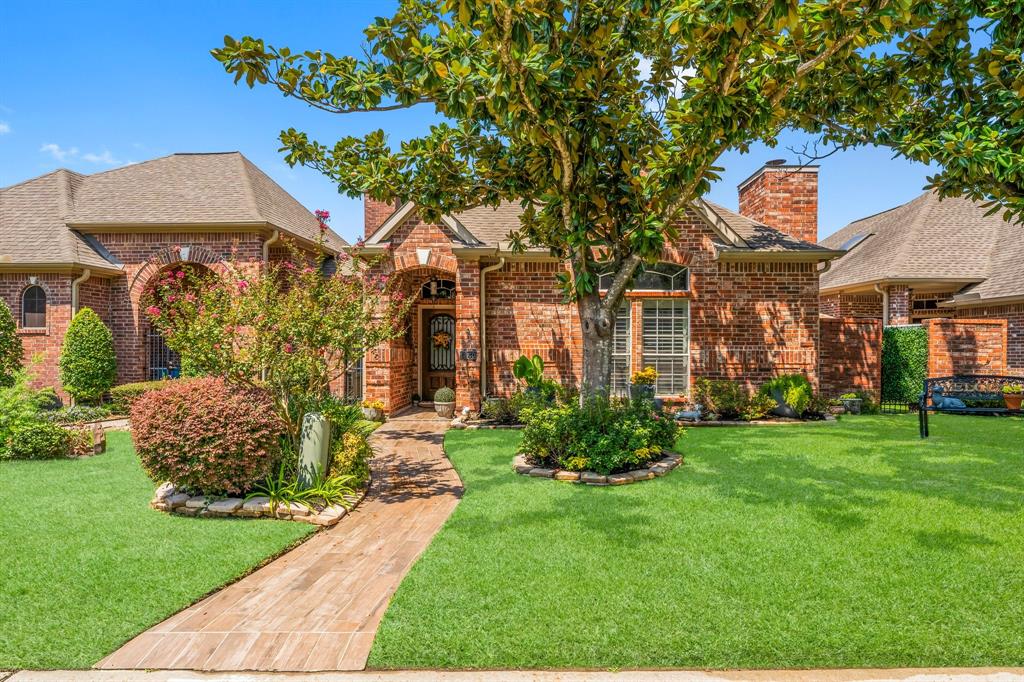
(181, 189)
(929, 238)
(32, 227)
(492, 226)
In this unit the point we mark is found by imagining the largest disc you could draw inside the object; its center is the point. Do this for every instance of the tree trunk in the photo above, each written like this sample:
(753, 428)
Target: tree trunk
(598, 327)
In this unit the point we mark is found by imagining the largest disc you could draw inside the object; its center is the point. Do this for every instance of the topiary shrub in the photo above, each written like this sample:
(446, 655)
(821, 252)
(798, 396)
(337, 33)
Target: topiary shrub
(444, 395)
(88, 365)
(207, 436)
(904, 363)
(794, 390)
(351, 457)
(10, 348)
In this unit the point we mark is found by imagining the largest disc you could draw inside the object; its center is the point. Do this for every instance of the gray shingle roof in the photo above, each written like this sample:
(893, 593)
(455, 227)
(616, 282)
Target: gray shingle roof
(492, 227)
(39, 217)
(931, 239)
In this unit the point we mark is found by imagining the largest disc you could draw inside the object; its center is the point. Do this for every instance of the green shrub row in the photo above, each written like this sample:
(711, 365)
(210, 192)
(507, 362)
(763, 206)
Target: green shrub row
(122, 397)
(24, 433)
(904, 363)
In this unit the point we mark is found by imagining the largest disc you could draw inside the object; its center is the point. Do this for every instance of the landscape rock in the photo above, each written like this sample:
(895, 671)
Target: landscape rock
(165, 490)
(256, 505)
(567, 475)
(177, 500)
(619, 479)
(197, 502)
(642, 475)
(227, 506)
(540, 472)
(591, 478)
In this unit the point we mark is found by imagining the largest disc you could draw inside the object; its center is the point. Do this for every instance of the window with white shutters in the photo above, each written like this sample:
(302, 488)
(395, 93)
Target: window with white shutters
(666, 343)
(620, 352)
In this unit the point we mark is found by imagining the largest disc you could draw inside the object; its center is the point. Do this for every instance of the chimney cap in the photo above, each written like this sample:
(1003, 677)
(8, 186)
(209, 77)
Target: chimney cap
(776, 165)
(775, 162)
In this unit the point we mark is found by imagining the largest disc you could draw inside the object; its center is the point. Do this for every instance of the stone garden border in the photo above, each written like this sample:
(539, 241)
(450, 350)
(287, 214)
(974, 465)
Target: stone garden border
(667, 463)
(168, 499)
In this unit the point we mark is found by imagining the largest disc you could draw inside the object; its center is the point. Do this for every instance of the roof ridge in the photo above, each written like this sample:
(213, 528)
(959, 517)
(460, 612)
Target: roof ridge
(250, 192)
(129, 165)
(913, 230)
(43, 175)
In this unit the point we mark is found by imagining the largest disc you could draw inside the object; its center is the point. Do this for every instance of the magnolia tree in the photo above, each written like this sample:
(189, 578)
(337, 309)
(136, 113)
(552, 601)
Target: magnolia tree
(606, 117)
(289, 327)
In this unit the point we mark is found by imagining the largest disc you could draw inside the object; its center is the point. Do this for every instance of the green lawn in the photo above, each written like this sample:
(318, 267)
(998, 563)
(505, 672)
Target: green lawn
(87, 564)
(823, 545)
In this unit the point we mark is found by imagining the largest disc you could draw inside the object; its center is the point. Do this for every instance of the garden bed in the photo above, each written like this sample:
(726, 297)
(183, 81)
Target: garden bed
(168, 499)
(781, 421)
(656, 469)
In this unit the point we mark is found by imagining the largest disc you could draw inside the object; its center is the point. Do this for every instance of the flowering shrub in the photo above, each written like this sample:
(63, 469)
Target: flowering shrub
(289, 327)
(207, 436)
(373, 404)
(602, 436)
(10, 347)
(88, 365)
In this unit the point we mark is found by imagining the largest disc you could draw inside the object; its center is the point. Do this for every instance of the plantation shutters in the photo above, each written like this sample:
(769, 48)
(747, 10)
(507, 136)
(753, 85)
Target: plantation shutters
(620, 351)
(666, 343)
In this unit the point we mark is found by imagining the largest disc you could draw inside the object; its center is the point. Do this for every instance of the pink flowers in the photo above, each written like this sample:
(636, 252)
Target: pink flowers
(322, 217)
(289, 348)
(243, 285)
(152, 311)
(180, 274)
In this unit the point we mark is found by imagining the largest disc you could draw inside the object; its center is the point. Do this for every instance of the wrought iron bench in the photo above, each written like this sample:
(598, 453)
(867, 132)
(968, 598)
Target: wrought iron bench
(953, 394)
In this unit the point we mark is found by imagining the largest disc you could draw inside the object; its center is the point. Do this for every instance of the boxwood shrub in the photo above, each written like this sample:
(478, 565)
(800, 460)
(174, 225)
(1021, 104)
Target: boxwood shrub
(88, 365)
(904, 363)
(207, 436)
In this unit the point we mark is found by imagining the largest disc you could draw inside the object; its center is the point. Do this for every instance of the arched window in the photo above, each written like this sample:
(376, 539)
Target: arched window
(33, 307)
(666, 277)
(438, 289)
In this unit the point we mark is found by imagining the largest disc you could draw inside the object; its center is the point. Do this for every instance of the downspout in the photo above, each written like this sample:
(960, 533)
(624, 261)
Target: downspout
(274, 238)
(885, 304)
(86, 274)
(483, 325)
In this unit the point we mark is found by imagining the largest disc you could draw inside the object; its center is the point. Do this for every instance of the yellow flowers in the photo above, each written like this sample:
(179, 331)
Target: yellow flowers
(645, 377)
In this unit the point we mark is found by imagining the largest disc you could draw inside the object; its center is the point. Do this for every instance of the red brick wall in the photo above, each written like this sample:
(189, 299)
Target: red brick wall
(852, 305)
(785, 198)
(375, 213)
(851, 356)
(1014, 315)
(41, 346)
(966, 346)
(899, 304)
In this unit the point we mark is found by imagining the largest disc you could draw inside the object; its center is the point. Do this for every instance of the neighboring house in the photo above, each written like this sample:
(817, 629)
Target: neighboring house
(930, 258)
(732, 298)
(69, 240)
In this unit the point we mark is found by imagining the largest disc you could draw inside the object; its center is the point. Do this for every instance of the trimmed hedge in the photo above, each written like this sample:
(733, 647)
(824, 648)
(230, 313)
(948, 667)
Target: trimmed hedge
(122, 397)
(10, 348)
(904, 363)
(88, 365)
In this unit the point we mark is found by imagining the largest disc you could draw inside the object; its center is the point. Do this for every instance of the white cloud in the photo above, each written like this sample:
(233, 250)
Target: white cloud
(105, 158)
(58, 152)
(5, 127)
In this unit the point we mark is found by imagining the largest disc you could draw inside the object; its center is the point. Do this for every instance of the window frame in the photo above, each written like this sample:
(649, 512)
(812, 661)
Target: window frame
(683, 271)
(625, 312)
(24, 310)
(645, 353)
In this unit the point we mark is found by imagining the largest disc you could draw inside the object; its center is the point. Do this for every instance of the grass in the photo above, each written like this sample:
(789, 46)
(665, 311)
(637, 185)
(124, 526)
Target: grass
(87, 565)
(822, 545)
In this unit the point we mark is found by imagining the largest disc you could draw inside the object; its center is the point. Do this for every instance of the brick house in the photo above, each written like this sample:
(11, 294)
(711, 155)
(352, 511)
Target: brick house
(69, 240)
(735, 296)
(931, 260)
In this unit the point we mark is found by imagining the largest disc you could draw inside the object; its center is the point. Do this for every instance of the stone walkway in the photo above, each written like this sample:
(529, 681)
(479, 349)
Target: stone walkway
(318, 607)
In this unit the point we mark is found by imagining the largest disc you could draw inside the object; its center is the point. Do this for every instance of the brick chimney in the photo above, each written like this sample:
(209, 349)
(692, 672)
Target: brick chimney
(375, 213)
(783, 196)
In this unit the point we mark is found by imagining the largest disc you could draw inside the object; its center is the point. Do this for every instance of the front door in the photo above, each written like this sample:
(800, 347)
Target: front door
(438, 351)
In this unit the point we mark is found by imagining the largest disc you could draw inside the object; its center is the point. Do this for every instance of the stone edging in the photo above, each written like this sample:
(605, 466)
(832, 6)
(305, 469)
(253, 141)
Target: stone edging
(169, 500)
(760, 422)
(669, 462)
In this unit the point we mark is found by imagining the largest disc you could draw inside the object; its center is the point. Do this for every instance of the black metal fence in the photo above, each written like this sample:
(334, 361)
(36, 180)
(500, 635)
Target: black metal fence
(896, 407)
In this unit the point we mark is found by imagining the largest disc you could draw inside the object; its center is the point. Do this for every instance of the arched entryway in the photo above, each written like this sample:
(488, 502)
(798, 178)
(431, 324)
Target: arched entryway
(161, 361)
(435, 332)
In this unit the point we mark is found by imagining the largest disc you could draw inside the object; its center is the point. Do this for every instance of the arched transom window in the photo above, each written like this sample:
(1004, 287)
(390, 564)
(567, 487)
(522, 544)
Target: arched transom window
(663, 277)
(33, 307)
(437, 289)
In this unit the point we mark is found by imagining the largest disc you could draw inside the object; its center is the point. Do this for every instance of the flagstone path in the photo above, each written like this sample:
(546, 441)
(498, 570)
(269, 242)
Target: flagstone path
(318, 607)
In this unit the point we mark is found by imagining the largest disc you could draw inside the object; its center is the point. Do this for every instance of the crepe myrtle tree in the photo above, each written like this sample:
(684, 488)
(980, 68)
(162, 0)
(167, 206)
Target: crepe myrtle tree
(291, 327)
(605, 117)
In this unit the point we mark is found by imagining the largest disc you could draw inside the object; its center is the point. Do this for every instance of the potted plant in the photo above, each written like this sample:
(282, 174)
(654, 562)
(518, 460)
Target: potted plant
(852, 403)
(416, 399)
(641, 384)
(530, 371)
(1012, 394)
(373, 410)
(444, 402)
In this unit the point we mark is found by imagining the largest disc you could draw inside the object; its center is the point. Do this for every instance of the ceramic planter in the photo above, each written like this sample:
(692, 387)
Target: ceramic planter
(853, 405)
(1013, 400)
(373, 414)
(641, 391)
(445, 410)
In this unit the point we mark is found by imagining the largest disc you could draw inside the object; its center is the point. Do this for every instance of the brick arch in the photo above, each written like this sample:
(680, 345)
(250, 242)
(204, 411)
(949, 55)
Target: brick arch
(173, 255)
(436, 260)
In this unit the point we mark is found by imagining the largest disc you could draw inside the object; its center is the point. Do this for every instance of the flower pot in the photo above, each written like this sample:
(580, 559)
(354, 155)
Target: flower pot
(641, 391)
(853, 405)
(1013, 400)
(373, 414)
(444, 410)
(782, 409)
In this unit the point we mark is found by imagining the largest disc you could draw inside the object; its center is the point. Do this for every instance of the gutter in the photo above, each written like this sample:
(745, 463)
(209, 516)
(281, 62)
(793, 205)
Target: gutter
(483, 325)
(274, 238)
(86, 274)
(885, 304)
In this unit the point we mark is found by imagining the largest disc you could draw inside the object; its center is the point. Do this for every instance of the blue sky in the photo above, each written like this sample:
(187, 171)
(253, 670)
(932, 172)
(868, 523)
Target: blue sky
(93, 85)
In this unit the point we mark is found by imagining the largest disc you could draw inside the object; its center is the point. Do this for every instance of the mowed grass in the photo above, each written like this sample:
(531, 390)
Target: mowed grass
(820, 545)
(87, 565)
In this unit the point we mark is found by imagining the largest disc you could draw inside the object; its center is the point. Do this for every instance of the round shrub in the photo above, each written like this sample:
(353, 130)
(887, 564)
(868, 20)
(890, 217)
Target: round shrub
(10, 347)
(39, 440)
(207, 436)
(88, 365)
(444, 395)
